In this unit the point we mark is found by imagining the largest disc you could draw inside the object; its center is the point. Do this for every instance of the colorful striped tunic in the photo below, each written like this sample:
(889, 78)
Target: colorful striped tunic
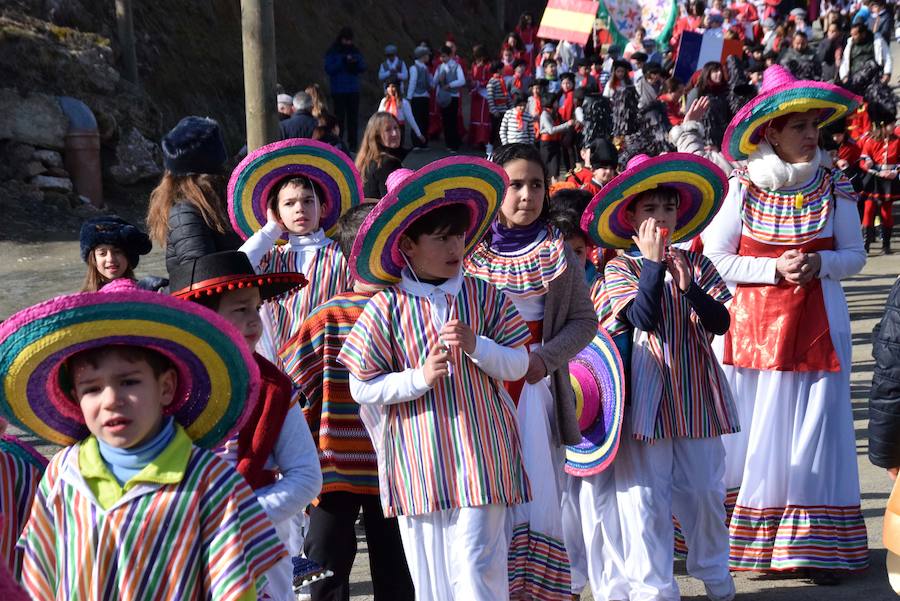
(678, 388)
(458, 444)
(204, 537)
(345, 450)
(20, 472)
(328, 274)
(793, 216)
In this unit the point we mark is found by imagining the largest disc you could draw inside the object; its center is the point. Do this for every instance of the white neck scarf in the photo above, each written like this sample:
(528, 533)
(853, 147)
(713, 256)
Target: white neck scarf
(770, 172)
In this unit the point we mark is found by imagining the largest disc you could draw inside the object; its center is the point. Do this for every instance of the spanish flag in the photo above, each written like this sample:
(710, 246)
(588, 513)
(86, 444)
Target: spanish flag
(570, 20)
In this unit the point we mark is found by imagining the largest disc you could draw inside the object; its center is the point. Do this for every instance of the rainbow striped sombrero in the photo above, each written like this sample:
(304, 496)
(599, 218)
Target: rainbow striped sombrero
(218, 380)
(598, 377)
(254, 177)
(781, 93)
(476, 184)
(701, 185)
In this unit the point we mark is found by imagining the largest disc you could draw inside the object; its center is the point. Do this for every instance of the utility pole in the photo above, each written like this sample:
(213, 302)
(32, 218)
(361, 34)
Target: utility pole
(125, 24)
(258, 35)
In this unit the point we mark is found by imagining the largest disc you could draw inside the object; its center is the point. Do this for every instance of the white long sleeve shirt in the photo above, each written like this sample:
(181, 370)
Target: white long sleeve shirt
(882, 57)
(396, 68)
(453, 75)
(414, 80)
(404, 114)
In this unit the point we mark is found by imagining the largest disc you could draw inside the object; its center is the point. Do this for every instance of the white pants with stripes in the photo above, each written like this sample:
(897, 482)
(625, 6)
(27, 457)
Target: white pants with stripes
(593, 535)
(678, 476)
(458, 554)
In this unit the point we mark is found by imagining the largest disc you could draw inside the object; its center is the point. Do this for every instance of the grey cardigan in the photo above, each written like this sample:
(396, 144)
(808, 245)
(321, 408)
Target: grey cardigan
(570, 323)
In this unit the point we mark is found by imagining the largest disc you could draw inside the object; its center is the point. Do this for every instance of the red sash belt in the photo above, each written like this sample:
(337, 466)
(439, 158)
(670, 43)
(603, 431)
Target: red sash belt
(781, 327)
(537, 336)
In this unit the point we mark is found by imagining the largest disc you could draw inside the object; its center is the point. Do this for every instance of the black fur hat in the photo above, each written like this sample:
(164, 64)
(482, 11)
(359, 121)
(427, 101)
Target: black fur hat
(116, 232)
(195, 145)
(881, 103)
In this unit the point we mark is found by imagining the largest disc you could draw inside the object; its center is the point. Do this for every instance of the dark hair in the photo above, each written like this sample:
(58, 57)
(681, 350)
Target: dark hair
(673, 84)
(652, 69)
(567, 221)
(327, 123)
(525, 152)
(158, 362)
(548, 98)
(549, 61)
(478, 52)
(519, 63)
(663, 191)
(495, 67)
(445, 49)
(452, 219)
(801, 34)
(348, 226)
(570, 199)
(518, 97)
(300, 182)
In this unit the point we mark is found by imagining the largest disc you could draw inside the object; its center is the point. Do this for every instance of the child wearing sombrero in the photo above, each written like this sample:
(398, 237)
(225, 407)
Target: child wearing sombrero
(137, 387)
(349, 465)
(274, 451)
(671, 460)
(427, 361)
(293, 190)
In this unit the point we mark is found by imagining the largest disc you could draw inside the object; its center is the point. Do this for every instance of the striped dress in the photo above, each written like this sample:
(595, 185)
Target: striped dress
(458, 444)
(20, 472)
(204, 537)
(679, 389)
(345, 450)
(327, 274)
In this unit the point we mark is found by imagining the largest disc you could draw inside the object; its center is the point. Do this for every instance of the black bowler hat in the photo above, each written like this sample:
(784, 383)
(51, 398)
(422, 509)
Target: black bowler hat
(220, 272)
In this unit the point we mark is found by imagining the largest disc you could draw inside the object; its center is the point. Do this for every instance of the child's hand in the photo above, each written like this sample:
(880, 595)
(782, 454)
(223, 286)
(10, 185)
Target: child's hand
(271, 217)
(437, 365)
(680, 270)
(456, 333)
(537, 369)
(650, 241)
(697, 109)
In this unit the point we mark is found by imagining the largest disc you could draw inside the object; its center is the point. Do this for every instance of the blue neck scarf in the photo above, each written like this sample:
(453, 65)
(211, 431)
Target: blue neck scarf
(126, 463)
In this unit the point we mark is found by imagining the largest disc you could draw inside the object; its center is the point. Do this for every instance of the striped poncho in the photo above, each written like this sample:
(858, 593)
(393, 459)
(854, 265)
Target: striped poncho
(20, 472)
(458, 444)
(203, 537)
(345, 451)
(677, 388)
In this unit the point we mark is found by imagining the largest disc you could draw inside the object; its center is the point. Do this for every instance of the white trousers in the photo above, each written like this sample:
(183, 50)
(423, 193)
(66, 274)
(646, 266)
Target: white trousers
(458, 554)
(593, 535)
(678, 476)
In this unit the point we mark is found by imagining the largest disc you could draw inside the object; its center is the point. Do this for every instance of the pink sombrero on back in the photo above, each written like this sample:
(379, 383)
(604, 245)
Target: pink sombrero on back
(781, 93)
(598, 378)
(255, 176)
(475, 184)
(701, 187)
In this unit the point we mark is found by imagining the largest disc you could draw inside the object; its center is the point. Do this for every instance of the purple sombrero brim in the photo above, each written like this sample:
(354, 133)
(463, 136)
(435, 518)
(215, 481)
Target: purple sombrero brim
(700, 184)
(473, 184)
(218, 376)
(599, 370)
(255, 176)
(747, 128)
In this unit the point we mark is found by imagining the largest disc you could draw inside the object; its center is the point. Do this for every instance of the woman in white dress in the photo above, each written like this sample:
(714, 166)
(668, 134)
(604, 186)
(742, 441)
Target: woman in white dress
(786, 236)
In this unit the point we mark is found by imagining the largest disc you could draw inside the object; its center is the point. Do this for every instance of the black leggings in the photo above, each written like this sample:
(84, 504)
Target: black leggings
(550, 154)
(419, 108)
(346, 109)
(331, 542)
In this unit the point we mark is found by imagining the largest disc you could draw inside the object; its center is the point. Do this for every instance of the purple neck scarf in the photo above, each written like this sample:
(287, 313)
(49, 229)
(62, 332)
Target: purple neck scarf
(511, 239)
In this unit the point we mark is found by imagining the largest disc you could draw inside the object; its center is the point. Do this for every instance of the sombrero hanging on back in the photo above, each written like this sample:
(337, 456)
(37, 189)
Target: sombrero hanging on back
(253, 179)
(598, 378)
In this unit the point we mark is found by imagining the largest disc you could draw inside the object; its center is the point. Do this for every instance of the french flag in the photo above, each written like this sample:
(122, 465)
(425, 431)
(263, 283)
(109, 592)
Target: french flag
(696, 49)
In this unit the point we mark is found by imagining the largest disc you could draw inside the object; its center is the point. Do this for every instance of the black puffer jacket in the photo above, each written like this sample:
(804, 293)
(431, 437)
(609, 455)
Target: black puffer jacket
(190, 237)
(884, 399)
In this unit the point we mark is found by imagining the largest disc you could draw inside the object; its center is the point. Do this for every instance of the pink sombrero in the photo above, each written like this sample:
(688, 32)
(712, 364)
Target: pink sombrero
(475, 184)
(598, 378)
(781, 93)
(255, 176)
(700, 184)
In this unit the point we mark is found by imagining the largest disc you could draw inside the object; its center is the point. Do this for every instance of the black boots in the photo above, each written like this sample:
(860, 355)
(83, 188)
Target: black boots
(886, 239)
(869, 237)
